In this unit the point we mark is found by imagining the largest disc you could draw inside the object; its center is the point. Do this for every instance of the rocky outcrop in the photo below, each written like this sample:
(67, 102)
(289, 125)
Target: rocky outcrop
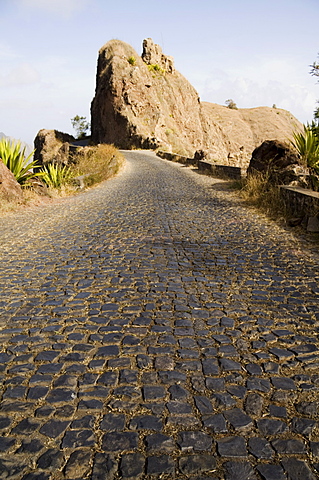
(10, 189)
(230, 136)
(52, 146)
(140, 104)
(144, 102)
(280, 162)
(153, 55)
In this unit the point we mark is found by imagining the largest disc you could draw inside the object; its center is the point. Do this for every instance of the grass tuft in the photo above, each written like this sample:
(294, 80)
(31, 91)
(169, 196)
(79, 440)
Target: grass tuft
(155, 68)
(98, 163)
(132, 60)
(95, 164)
(257, 190)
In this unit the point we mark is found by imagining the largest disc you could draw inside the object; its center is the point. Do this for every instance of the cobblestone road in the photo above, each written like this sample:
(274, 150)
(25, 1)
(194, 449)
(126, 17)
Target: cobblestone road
(155, 328)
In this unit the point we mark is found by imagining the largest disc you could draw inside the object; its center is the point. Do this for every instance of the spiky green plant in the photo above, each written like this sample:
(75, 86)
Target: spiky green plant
(307, 145)
(132, 61)
(56, 175)
(15, 159)
(154, 67)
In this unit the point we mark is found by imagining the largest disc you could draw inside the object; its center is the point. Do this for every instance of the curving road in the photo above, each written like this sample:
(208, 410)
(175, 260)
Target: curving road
(153, 327)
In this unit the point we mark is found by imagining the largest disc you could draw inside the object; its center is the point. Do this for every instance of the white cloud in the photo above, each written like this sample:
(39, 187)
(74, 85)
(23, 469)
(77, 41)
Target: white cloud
(64, 8)
(23, 74)
(24, 104)
(272, 83)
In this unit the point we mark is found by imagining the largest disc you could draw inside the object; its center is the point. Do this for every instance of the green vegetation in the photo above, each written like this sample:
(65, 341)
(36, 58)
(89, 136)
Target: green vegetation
(154, 67)
(91, 164)
(132, 61)
(259, 191)
(81, 126)
(307, 146)
(315, 72)
(15, 159)
(231, 104)
(56, 175)
(169, 131)
(315, 69)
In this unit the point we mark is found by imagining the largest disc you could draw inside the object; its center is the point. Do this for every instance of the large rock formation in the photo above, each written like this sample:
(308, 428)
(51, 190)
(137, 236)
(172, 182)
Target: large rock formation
(144, 102)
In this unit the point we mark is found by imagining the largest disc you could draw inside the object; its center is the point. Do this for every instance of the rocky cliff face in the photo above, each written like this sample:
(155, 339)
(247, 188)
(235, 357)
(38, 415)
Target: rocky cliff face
(144, 102)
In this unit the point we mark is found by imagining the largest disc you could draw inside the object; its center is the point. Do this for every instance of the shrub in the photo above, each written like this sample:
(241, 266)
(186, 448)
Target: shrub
(231, 104)
(257, 190)
(81, 126)
(15, 159)
(98, 163)
(132, 61)
(307, 145)
(56, 175)
(154, 67)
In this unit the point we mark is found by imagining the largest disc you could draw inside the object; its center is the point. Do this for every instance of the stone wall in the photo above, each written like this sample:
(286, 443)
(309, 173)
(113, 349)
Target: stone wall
(220, 171)
(303, 204)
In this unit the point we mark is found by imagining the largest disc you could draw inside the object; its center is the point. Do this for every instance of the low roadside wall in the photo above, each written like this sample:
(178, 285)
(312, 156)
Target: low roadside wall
(220, 171)
(302, 203)
(177, 158)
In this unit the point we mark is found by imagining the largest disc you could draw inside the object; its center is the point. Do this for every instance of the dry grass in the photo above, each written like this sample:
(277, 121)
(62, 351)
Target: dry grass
(98, 163)
(259, 192)
(30, 199)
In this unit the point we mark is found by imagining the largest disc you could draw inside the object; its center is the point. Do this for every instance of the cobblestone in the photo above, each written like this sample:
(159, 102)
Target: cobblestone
(155, 327)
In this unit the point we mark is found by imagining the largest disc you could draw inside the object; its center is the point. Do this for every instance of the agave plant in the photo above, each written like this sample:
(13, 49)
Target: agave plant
(15, 159)
(307, 145)
(56, 175)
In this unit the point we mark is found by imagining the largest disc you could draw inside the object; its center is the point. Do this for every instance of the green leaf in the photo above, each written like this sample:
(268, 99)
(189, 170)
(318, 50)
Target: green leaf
(14, 157)
(56, 175)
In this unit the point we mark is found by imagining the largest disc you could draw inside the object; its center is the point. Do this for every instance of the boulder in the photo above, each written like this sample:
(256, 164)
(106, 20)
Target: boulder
(144, 102)
(10, 189)
(280, 162)
(52, 146)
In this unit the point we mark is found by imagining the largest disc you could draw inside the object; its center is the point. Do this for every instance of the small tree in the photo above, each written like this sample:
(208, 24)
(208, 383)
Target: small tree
(80, 125)
(231, 104)
(315, 69)
(315, 72)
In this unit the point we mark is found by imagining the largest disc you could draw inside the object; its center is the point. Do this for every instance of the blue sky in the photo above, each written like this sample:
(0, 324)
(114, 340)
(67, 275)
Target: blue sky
(256, 52)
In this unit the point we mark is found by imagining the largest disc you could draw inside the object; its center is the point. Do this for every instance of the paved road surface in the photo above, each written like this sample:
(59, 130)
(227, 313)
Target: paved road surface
(155, 328)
